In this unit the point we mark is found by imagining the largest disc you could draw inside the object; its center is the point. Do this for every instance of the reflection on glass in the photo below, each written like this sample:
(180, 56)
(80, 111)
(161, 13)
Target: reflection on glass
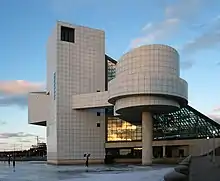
(120, 130)
(111, 70)
(183, 124)
(186, 123)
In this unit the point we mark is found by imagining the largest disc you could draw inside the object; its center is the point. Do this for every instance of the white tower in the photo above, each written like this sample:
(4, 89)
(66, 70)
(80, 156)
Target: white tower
(148, 81)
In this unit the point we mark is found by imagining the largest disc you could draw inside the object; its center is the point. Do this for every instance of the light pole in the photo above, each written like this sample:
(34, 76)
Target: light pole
(208, 145)
(213, 156)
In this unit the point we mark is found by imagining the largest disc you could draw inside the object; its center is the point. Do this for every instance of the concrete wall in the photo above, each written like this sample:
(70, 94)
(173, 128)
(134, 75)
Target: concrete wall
(80, 69)
(195, 147)
(204, 146)
(52, 120)
(175, 151)
(38, 108)
(91, 100)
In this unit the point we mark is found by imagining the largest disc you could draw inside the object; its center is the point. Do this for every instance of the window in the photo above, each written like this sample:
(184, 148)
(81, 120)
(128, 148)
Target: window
(111, 70)
(67, 34)
(120, 130)
(98, 124)
(54, 86)
(98, 114)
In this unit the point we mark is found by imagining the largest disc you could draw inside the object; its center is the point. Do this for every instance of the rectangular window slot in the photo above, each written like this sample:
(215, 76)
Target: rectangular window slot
(67, 34)
(98, 125)
(54, 86)
(98, 114)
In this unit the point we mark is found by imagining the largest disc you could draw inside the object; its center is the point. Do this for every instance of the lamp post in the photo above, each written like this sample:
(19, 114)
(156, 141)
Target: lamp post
(213, 153)
(207, 145)
(87, 159)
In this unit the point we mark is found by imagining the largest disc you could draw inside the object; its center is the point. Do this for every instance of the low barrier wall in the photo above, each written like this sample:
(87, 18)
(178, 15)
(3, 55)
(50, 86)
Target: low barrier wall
(180, 172)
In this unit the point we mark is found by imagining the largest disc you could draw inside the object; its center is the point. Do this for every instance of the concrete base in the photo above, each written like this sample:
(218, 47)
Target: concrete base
(147, 138)
(74, 162)
(127, 160)
(170, 161)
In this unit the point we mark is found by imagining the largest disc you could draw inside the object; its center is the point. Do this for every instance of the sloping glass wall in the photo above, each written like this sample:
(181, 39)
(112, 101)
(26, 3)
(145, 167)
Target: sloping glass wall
(184, 124)
(187, 123)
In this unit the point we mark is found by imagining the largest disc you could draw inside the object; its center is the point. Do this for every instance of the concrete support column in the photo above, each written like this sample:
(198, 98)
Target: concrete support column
(147, 138)
(164, 151)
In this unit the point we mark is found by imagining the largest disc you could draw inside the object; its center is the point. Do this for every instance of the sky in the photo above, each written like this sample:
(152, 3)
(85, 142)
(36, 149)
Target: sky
(190, 26)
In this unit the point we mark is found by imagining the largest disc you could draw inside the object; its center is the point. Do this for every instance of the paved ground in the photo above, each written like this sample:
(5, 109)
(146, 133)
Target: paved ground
(40, 171)
(202, 169)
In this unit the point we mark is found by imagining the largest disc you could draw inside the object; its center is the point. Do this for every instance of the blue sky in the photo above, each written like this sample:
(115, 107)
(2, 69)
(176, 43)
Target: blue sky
(190, 26)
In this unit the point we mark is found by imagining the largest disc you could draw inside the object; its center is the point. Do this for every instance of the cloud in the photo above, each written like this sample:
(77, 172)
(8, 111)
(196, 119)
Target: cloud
(197, 26)
(3, 143)
(186, 64)
(153, 33)
(147, 27)
(16, 135)
(174, 13)
(215, 114)
(2, 122)
(15, 92)
(17, 100)
(18, 87)
(217, 109)
(207, 40)
(25, 141)
(189, 11)
(182, 9)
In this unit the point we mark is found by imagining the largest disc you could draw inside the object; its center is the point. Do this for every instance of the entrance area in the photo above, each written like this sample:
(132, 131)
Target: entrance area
(136, 153)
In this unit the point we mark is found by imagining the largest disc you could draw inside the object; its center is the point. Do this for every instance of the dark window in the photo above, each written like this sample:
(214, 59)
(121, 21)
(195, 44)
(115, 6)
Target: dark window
(67, 34)
(54, 86)
(98, 91)
(98, 124)
(98, 113)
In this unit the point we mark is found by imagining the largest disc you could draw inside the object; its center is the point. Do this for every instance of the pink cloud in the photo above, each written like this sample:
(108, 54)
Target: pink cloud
(20, 87)
(14, 93)
(216, 109)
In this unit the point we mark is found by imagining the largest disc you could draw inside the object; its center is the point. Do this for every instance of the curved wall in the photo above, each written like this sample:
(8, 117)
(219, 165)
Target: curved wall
(153, 59)
(149, 76)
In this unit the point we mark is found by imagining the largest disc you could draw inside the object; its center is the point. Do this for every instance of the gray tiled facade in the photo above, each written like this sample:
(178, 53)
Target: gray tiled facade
(79, 69)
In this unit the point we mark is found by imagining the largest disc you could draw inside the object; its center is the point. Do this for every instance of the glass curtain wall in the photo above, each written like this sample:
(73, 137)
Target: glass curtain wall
(111, 70)
(120, 130)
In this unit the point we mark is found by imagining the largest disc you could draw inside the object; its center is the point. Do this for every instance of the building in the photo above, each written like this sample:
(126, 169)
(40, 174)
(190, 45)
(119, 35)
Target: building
(95, 105)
